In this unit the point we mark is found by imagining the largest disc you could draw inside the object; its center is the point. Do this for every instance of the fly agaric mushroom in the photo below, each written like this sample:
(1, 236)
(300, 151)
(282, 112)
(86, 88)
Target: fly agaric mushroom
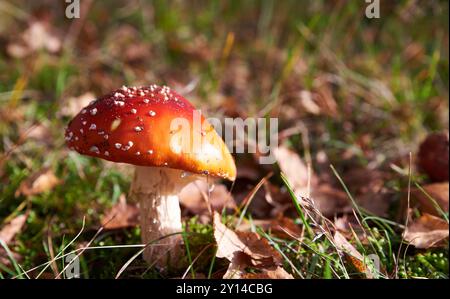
(134, 125)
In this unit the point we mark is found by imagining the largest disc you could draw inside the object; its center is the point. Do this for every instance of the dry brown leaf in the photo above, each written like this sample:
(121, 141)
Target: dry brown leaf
(194, 197)
(352, 254)
(427, 231)
(11, 229)
(73, 105)
(7, 235)
(286, 228)
(37, 37)
(324, 97)
(281, 227)
(121, 215)
(230, 242)
(237, 270)
(39, 132)
(278, 273)
(347, 225)
(5, 259)
(329, 200)
(414, 52)
(345, 246)
(433, 156)
(307, 102)
(294, 168)
(376, 203)
(368, 186)
(42, 181)
(437, 191)
(246, 249)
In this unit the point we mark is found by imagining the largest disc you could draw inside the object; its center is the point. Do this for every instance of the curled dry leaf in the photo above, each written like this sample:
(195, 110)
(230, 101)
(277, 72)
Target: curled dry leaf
(352, 254)
(307, 102)
(439, 192)
(345, 246)
(121, 215)
(433, 156)
(10, 230)
(198, 200)
(427, 231)
(246, 249)
(294, 168)
(42, 181)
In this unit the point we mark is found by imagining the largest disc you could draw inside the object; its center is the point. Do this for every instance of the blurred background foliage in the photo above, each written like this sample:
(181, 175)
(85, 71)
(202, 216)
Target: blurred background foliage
(364, 92)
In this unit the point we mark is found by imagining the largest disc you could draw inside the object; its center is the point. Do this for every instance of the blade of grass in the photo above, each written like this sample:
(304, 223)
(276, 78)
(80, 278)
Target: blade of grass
(297, 205)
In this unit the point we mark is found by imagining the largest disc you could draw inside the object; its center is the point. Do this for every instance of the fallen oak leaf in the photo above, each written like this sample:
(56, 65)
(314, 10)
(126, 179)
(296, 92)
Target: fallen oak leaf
(437, 192)
(121, 215)
(40, 182)
(427, 231)
(286, 228)
(352, 254)
(252, 244)
(281, 227)
(196, 198)
(240, 263)
(246, 249)
(237, 266)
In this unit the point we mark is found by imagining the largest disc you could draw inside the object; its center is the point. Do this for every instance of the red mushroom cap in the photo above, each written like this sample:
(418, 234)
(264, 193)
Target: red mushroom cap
(133, 125)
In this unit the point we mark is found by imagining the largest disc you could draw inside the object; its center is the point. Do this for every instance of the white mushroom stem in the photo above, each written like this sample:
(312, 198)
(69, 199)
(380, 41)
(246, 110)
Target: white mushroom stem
(156, 189)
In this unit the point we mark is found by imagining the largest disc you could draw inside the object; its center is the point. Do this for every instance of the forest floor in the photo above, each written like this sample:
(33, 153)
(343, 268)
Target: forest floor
(354, 97)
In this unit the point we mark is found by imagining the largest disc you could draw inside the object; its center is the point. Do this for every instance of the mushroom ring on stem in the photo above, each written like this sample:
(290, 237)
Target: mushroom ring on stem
(155, 129)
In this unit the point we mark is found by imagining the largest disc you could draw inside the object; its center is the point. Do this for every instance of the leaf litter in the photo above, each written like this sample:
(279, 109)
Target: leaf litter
(247, 250)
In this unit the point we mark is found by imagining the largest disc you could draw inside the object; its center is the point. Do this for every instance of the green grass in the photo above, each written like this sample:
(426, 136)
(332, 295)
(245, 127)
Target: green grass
(382, 92)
